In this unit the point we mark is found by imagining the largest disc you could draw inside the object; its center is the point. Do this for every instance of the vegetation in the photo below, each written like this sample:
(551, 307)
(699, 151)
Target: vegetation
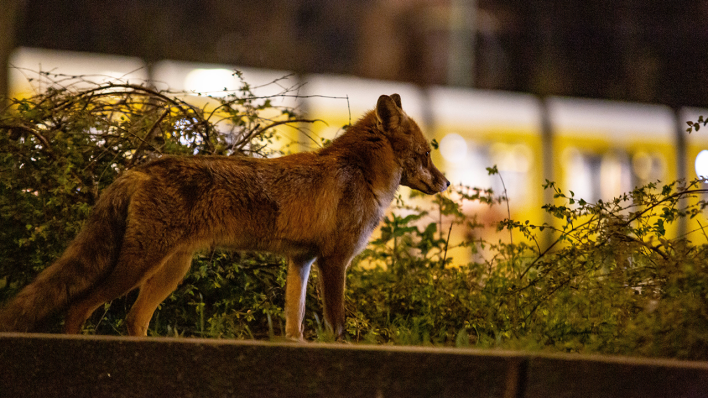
(611, 280)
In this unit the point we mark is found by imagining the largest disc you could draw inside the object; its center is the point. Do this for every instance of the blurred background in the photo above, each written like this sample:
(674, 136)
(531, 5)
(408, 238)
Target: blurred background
(636, 50)
(591, 94)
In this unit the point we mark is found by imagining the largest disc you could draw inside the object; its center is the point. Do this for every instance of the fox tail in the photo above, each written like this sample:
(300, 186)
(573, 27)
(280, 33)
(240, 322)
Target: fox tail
(89, 259)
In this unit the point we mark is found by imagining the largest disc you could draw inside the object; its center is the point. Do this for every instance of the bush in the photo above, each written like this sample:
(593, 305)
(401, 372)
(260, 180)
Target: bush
(612, 280)
(60, 148)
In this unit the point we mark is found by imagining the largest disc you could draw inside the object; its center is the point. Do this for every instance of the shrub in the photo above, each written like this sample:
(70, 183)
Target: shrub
(61, 147)
(611, 280)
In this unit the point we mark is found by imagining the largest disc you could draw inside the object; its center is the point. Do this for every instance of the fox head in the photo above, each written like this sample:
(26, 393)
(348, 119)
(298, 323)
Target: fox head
(411, 147)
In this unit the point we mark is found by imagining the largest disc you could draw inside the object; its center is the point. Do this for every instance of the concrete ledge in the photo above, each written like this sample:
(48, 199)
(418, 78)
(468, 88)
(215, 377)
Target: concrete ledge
(607, 376)
(88, 366)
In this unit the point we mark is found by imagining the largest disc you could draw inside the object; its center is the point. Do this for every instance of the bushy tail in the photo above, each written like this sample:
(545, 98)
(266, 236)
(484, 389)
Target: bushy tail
(88, 259)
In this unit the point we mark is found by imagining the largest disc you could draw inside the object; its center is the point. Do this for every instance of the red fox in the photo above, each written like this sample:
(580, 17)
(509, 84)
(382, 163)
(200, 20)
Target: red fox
(315, 206)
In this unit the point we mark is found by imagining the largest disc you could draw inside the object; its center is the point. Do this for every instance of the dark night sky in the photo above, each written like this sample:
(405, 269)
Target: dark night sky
(637, 50)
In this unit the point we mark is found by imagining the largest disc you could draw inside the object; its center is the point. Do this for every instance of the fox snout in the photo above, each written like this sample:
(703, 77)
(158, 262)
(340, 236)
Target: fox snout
(437, 182)
(441, 183)
(425, 178)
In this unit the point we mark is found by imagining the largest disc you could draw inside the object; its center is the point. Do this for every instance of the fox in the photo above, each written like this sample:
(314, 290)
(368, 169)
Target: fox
(310, 207)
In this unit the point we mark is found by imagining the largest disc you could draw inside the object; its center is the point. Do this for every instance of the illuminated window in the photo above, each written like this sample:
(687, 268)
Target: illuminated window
(615, 175)
(592, 177)
(514, 162)
(464, 162)
(648, 167)
(577, 172)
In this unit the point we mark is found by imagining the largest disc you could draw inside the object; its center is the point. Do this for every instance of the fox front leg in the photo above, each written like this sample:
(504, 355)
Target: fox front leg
(333, 276)
(295, 294)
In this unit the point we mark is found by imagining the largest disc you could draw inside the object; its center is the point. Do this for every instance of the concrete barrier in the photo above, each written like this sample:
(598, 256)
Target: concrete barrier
(102, 366)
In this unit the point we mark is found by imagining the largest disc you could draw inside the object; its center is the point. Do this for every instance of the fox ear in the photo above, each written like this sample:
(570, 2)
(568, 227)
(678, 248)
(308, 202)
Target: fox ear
(397, 99)
(388, 111)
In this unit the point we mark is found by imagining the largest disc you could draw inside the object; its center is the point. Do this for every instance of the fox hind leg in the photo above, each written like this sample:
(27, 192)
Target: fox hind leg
(133, 267)
(155, 290)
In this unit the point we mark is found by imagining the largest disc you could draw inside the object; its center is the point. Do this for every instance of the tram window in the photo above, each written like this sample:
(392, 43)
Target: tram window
(514, 162)
(578, 169)
(615, 175)
(648, 167)
(592, 177)
(465, 162)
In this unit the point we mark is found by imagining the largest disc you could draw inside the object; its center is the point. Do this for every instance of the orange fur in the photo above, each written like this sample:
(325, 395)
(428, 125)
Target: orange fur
(320, 206)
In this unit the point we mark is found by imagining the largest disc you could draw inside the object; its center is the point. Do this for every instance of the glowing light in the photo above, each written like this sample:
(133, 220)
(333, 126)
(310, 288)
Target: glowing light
(702, 164)
(214, 82)
(453, 148)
